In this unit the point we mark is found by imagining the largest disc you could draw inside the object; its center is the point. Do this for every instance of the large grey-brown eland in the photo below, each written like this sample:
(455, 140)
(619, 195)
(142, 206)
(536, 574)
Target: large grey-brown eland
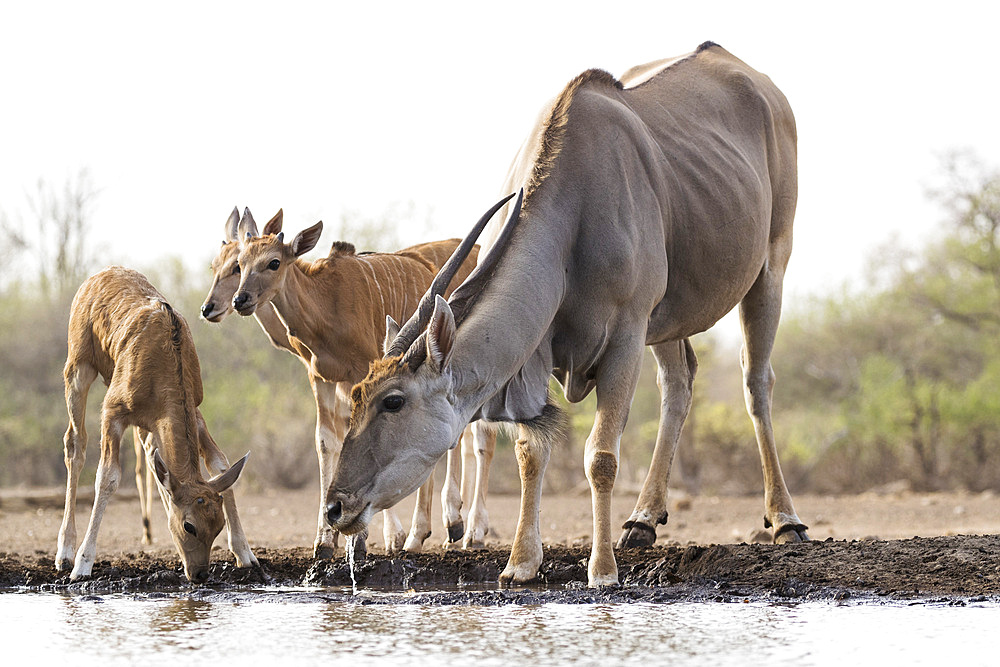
(122, 329)
(331, 313)
(650, 209)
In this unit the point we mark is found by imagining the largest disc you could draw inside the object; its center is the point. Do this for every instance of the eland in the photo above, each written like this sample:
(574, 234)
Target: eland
(330, 314)
(651, 206)
(122, 329)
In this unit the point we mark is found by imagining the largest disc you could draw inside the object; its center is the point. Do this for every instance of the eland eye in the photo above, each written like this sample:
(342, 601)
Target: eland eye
(274, 264)
(189, 528)
(393, 402)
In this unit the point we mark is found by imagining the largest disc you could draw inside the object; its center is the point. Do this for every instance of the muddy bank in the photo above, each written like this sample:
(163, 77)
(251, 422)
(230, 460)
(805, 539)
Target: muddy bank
(953, 568)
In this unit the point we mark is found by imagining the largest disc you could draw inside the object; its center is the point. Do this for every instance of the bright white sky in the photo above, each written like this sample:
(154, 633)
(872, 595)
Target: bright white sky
(182, 110)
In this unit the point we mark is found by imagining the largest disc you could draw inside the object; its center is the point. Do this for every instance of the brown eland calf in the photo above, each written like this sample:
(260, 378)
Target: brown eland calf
(122, 329)
(332, 313)
(650, 209)
(332, 403)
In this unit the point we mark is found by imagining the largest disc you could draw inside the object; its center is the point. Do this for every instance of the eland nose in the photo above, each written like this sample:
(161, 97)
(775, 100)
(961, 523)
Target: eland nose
(201, 576)
(333, 512)
(240, 300)
(207, 309)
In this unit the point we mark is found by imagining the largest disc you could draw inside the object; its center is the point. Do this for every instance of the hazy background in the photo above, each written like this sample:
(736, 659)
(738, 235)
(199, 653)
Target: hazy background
(182, 111)
(130, 130)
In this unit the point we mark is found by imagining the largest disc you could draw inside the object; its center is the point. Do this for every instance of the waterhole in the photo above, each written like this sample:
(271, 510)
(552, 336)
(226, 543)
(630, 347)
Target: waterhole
(305, 627)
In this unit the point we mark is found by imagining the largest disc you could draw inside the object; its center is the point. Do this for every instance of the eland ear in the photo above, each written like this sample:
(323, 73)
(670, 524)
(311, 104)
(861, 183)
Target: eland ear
(223, 481)
(307, 239)
(440, 334)
(232, 224)
(273, 225)
(391, 331)
(161, 472)
(247, 227)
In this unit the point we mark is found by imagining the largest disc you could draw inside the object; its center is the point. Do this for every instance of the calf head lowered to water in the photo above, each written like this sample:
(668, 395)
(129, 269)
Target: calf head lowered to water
(122, 329)
(195, 514)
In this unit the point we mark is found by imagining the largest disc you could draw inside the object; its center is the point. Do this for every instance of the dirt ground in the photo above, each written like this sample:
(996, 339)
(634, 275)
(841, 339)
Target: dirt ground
(892, 543)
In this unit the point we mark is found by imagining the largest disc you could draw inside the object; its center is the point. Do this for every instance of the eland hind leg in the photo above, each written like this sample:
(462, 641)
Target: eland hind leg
(760, 310)
(143, 483)
(78, 377)
(676, 368)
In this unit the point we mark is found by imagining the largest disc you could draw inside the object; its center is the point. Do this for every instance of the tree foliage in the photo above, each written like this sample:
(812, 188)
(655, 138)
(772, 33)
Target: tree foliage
(897, 379)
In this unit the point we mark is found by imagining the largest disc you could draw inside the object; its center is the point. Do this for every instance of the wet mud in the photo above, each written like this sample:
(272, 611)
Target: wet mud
(954, 568)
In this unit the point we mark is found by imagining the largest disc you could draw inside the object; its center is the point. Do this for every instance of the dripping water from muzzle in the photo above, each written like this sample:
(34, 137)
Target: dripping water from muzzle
(350, 562)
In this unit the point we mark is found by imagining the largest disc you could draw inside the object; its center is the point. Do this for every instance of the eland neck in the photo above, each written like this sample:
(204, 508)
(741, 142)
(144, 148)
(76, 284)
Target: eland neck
(508, 331)
(334, 314)
(177, 430)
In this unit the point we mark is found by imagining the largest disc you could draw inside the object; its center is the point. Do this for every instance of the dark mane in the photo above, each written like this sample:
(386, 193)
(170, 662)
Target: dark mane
(341, 248)
(177, 346)
(316, 266)
(555, 127)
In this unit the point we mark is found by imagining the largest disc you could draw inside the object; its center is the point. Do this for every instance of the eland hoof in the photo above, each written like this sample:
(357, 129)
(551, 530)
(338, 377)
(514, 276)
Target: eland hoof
(360, 550)
(456, 532)
(636, 535)
(322, 552)
(791, 533)
(514, 575)
(414, 543)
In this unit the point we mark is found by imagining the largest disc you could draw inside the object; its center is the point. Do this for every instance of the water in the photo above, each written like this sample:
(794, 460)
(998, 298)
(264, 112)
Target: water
(350, 563)
(288, 627)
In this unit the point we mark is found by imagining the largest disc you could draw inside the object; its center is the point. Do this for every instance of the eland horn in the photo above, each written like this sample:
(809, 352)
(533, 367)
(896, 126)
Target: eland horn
(418, 321)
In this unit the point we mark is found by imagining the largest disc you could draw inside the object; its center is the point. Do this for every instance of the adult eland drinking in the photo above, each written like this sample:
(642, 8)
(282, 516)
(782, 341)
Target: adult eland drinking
(652, 206)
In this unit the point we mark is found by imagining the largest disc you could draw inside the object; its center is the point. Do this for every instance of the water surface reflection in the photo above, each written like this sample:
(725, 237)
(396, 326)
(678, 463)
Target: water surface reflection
(290, 628)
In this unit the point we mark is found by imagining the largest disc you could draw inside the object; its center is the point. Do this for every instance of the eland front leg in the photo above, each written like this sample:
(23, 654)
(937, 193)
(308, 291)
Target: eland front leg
(484, 444)
(420, 524)
(616, 382)
(108, 477)
(78, 379)
(331, 426)
(217, 463)
(532, 454)
(451, 492)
